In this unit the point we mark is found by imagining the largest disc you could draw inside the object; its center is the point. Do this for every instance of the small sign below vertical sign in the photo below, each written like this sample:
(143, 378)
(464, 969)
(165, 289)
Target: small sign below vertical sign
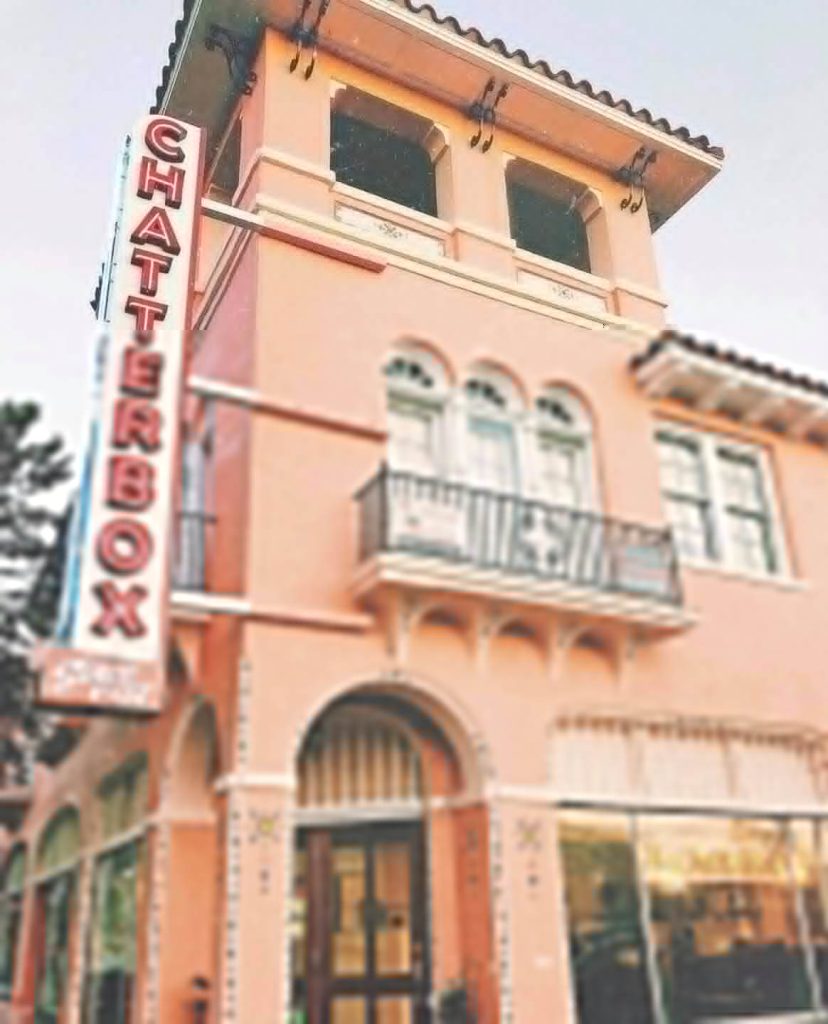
(111, 649)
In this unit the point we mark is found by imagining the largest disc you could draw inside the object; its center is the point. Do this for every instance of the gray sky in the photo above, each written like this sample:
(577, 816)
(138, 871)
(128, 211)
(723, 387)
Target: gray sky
(745, 262)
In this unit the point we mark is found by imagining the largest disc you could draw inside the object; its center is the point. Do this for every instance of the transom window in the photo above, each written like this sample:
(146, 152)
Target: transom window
(718, 499)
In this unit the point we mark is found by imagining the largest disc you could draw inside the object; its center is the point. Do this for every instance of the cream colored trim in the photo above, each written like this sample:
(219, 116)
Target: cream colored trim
(426, 573)
(210, 604)
(355, 814)
(280, 158)
(601, 285)
(257, 401)
(544, 795)
(489, 58)
(788, 583)
(459, 275)
(402, 213)
(485, 234)
(255, 780)
(640, 291)
(244, 607)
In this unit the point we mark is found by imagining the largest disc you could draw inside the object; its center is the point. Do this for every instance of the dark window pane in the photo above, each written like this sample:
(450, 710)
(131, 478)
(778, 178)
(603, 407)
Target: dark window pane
(548, 227)
(606, 942)
(724, 918)
(387, 165)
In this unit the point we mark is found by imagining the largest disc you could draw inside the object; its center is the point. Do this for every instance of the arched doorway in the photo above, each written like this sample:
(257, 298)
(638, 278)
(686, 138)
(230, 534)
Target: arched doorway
(379, 888)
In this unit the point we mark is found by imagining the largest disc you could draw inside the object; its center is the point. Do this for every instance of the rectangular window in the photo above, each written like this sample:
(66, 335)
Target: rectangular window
(717, 498)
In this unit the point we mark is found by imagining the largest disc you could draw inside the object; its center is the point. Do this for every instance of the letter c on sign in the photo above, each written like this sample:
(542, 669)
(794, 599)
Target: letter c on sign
(124, 546)
(160, 133)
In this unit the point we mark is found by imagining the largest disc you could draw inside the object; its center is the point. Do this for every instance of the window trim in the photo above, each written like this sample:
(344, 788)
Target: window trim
(708, 444)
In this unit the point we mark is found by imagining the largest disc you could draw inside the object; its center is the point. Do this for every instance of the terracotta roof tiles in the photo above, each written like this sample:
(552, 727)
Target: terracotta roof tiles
(520, 56)
(711, 350)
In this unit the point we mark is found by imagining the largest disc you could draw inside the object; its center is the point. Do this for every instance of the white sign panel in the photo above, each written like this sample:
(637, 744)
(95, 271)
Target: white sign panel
(117, 588)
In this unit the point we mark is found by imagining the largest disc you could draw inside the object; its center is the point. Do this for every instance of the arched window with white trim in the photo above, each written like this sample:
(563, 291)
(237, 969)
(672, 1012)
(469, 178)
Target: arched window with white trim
(494, 408)
(564, 450)
(417, 389)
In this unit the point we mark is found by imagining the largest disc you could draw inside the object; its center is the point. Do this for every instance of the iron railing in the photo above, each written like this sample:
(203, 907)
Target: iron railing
(402, 512)
(190, 553)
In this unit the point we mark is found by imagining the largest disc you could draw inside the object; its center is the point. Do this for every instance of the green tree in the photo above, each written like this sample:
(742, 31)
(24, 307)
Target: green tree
(32, 534)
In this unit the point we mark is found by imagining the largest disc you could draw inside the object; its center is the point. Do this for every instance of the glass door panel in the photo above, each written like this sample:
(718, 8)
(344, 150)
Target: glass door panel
(392, 906)
(394, 1011)
(492, 461)
(349, 939)
(349, 1010)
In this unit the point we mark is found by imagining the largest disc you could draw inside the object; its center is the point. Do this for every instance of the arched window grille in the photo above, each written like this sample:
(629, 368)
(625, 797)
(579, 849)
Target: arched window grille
(359, 759)
(11, 914)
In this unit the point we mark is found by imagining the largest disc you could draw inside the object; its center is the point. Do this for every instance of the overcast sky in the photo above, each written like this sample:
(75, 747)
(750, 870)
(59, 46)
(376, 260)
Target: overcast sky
(746, 262)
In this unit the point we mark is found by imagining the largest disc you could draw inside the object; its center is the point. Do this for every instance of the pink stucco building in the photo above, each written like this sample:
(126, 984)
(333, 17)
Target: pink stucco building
(497, 690)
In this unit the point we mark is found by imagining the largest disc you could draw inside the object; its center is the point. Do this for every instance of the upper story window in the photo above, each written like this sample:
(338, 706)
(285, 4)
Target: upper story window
(719, 500)
(226, 170)
(494, 405)
(417, 391)
(544, 214)
(564, 449)
(383, 149)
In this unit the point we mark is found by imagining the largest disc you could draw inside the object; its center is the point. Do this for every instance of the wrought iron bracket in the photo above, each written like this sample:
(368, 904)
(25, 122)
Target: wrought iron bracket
(237, 52)
(634, 174)
(484, 112)
(306, 35)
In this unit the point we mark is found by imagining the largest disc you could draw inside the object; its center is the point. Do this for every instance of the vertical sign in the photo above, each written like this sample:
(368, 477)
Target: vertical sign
(111, 651)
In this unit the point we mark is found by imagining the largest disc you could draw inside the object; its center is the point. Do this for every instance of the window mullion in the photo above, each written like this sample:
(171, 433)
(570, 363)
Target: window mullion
(718, 506)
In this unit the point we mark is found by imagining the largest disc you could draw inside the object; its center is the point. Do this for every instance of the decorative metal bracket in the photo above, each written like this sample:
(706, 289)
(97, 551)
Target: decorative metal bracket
(484, 111)
(633, 175)
(237, 52)
(307, 36)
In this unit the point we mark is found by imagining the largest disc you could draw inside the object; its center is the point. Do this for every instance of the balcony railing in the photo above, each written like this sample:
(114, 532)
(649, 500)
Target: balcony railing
(190, 555)
(420, 516)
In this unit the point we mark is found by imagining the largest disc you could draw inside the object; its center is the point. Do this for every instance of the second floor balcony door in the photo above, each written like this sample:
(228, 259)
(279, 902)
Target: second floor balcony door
(413, 439)
(492, 455)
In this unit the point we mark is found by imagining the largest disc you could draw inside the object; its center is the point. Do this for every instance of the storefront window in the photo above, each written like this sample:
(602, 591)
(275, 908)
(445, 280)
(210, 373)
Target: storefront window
(11, 912)
(810, 841)
(724, 920)
(605, 936)
(55, 911)
(57, 857)
(112, 953)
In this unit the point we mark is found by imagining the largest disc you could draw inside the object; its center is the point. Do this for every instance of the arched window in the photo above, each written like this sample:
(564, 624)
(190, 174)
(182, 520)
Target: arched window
(11, 914)
(113, 957)
(417, 390)
(494, 406)
(564, 450)
(57, 856)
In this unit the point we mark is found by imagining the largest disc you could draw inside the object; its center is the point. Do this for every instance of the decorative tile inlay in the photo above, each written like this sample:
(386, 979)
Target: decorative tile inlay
(552, 289)
(385, 230)
(265, 833)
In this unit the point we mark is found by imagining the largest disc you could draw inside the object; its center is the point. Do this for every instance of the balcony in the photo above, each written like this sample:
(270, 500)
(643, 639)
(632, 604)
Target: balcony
(437, 536)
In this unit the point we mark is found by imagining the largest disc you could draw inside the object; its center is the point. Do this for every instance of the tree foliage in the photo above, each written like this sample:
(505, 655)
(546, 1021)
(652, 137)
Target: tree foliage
(32, 532)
